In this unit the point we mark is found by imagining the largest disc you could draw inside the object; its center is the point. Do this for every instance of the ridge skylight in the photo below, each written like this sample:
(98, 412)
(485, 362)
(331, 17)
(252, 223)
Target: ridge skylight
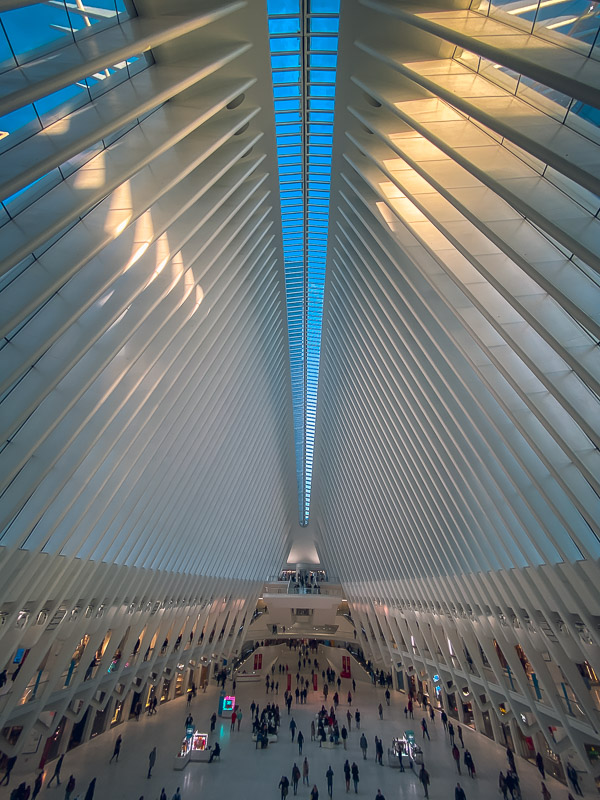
(304, 42)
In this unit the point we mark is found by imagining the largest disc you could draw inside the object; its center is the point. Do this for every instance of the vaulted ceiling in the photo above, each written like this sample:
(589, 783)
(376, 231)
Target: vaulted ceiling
(157, 444)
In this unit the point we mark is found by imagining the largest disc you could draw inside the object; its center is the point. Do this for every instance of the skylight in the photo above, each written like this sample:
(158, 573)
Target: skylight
(304, 44)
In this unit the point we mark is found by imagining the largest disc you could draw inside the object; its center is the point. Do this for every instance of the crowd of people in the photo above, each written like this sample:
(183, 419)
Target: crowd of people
(330, 727)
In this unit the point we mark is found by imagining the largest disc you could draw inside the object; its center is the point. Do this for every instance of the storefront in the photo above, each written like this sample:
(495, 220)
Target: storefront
(99, 722)
(78, 731)
(179, 684)
(117, 716)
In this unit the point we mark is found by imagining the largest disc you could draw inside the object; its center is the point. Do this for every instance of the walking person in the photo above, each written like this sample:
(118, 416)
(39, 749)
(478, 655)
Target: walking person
(456, 757)
(462, 744)
(300, 742)
(151, 761)
(293, 728)
(344, 733)
(387, 696)
(284, 785)
(468, 759)
(10, 763)
(451, 733)
(349, 718)
(329, 776)
(574, 778)
(239, 717)
(233, 720)
(502, 786)
(380, 709)
(90, 790)
(425, 780)
(424, 728)
(305, 771)
(295, 777)
(357, 718)
(545, 793)
(69, 787)
(314, 793)
(56, 774)
(355, 776)
(539, 761)
(459, 793)
(347, 775)
(363, 745)
(37, 786)
(509, 755)
(117, 749)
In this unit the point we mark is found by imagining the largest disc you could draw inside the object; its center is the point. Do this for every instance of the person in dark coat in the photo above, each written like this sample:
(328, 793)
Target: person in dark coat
(425, 780)
(295, 778)
(37, 786)
(117, 749)
(151, 761)
(56, 773)
(10, 763)
(70, 787)
(540, 764)
(468, 759)
(329, 776)
(283, 785)
(90, 790)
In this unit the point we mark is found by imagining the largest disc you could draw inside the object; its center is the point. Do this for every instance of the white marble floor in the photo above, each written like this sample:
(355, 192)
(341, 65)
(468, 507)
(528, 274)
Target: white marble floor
(244, 772)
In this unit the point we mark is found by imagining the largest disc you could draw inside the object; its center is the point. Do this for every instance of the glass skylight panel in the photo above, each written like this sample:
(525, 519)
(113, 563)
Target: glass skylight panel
(308, 139)
(38, 29)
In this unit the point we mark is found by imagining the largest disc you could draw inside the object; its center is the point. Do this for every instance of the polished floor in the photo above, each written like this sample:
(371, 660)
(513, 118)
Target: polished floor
(244, 772)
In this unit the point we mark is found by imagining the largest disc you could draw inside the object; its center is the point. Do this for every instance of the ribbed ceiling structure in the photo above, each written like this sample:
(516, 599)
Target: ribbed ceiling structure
(148, 466)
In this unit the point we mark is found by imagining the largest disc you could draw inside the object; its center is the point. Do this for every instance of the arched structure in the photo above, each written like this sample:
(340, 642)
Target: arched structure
(149, 481)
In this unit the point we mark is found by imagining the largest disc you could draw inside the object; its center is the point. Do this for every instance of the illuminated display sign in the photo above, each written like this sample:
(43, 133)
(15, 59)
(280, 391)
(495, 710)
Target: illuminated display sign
(228, 703)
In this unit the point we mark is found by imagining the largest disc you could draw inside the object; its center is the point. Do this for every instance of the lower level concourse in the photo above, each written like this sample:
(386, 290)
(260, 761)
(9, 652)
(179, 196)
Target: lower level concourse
(245, 771)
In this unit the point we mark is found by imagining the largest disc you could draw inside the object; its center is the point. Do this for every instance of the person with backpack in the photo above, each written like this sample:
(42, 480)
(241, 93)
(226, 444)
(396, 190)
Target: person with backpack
(284, 786)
